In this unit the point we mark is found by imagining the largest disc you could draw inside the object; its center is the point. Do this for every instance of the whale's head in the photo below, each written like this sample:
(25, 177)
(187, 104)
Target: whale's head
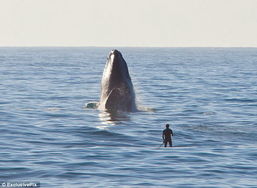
(115, 73)
(117, 91)
(116, 68)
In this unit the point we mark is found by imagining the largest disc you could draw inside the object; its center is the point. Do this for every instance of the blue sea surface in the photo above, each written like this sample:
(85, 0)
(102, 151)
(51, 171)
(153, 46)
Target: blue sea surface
(208, 95)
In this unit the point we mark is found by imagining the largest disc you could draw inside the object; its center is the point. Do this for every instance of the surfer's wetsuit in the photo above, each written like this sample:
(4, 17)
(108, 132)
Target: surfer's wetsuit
(166, 136)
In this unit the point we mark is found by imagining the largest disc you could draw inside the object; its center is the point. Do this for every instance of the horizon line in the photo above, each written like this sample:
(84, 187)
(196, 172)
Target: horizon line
(113, 46)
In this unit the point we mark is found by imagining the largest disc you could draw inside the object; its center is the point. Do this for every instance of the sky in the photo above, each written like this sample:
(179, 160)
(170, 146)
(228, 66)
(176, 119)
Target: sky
(145, 23)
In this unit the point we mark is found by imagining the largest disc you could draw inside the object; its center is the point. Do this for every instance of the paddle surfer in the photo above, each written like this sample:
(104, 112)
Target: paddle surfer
(166, 136)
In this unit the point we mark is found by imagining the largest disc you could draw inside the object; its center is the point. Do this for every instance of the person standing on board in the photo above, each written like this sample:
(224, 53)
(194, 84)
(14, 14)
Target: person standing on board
(166, 136)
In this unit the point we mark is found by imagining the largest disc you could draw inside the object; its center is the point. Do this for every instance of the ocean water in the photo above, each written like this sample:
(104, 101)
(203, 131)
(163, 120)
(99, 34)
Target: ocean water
(208, 95)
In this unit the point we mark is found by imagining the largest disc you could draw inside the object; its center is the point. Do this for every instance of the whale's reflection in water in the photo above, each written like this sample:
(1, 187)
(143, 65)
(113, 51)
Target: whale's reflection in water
(112, 118)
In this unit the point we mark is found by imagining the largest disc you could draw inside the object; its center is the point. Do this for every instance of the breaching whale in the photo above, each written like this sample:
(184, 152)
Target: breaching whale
(117, 91)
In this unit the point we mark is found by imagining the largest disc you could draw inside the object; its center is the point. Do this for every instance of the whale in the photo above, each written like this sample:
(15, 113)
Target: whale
(117, 91)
